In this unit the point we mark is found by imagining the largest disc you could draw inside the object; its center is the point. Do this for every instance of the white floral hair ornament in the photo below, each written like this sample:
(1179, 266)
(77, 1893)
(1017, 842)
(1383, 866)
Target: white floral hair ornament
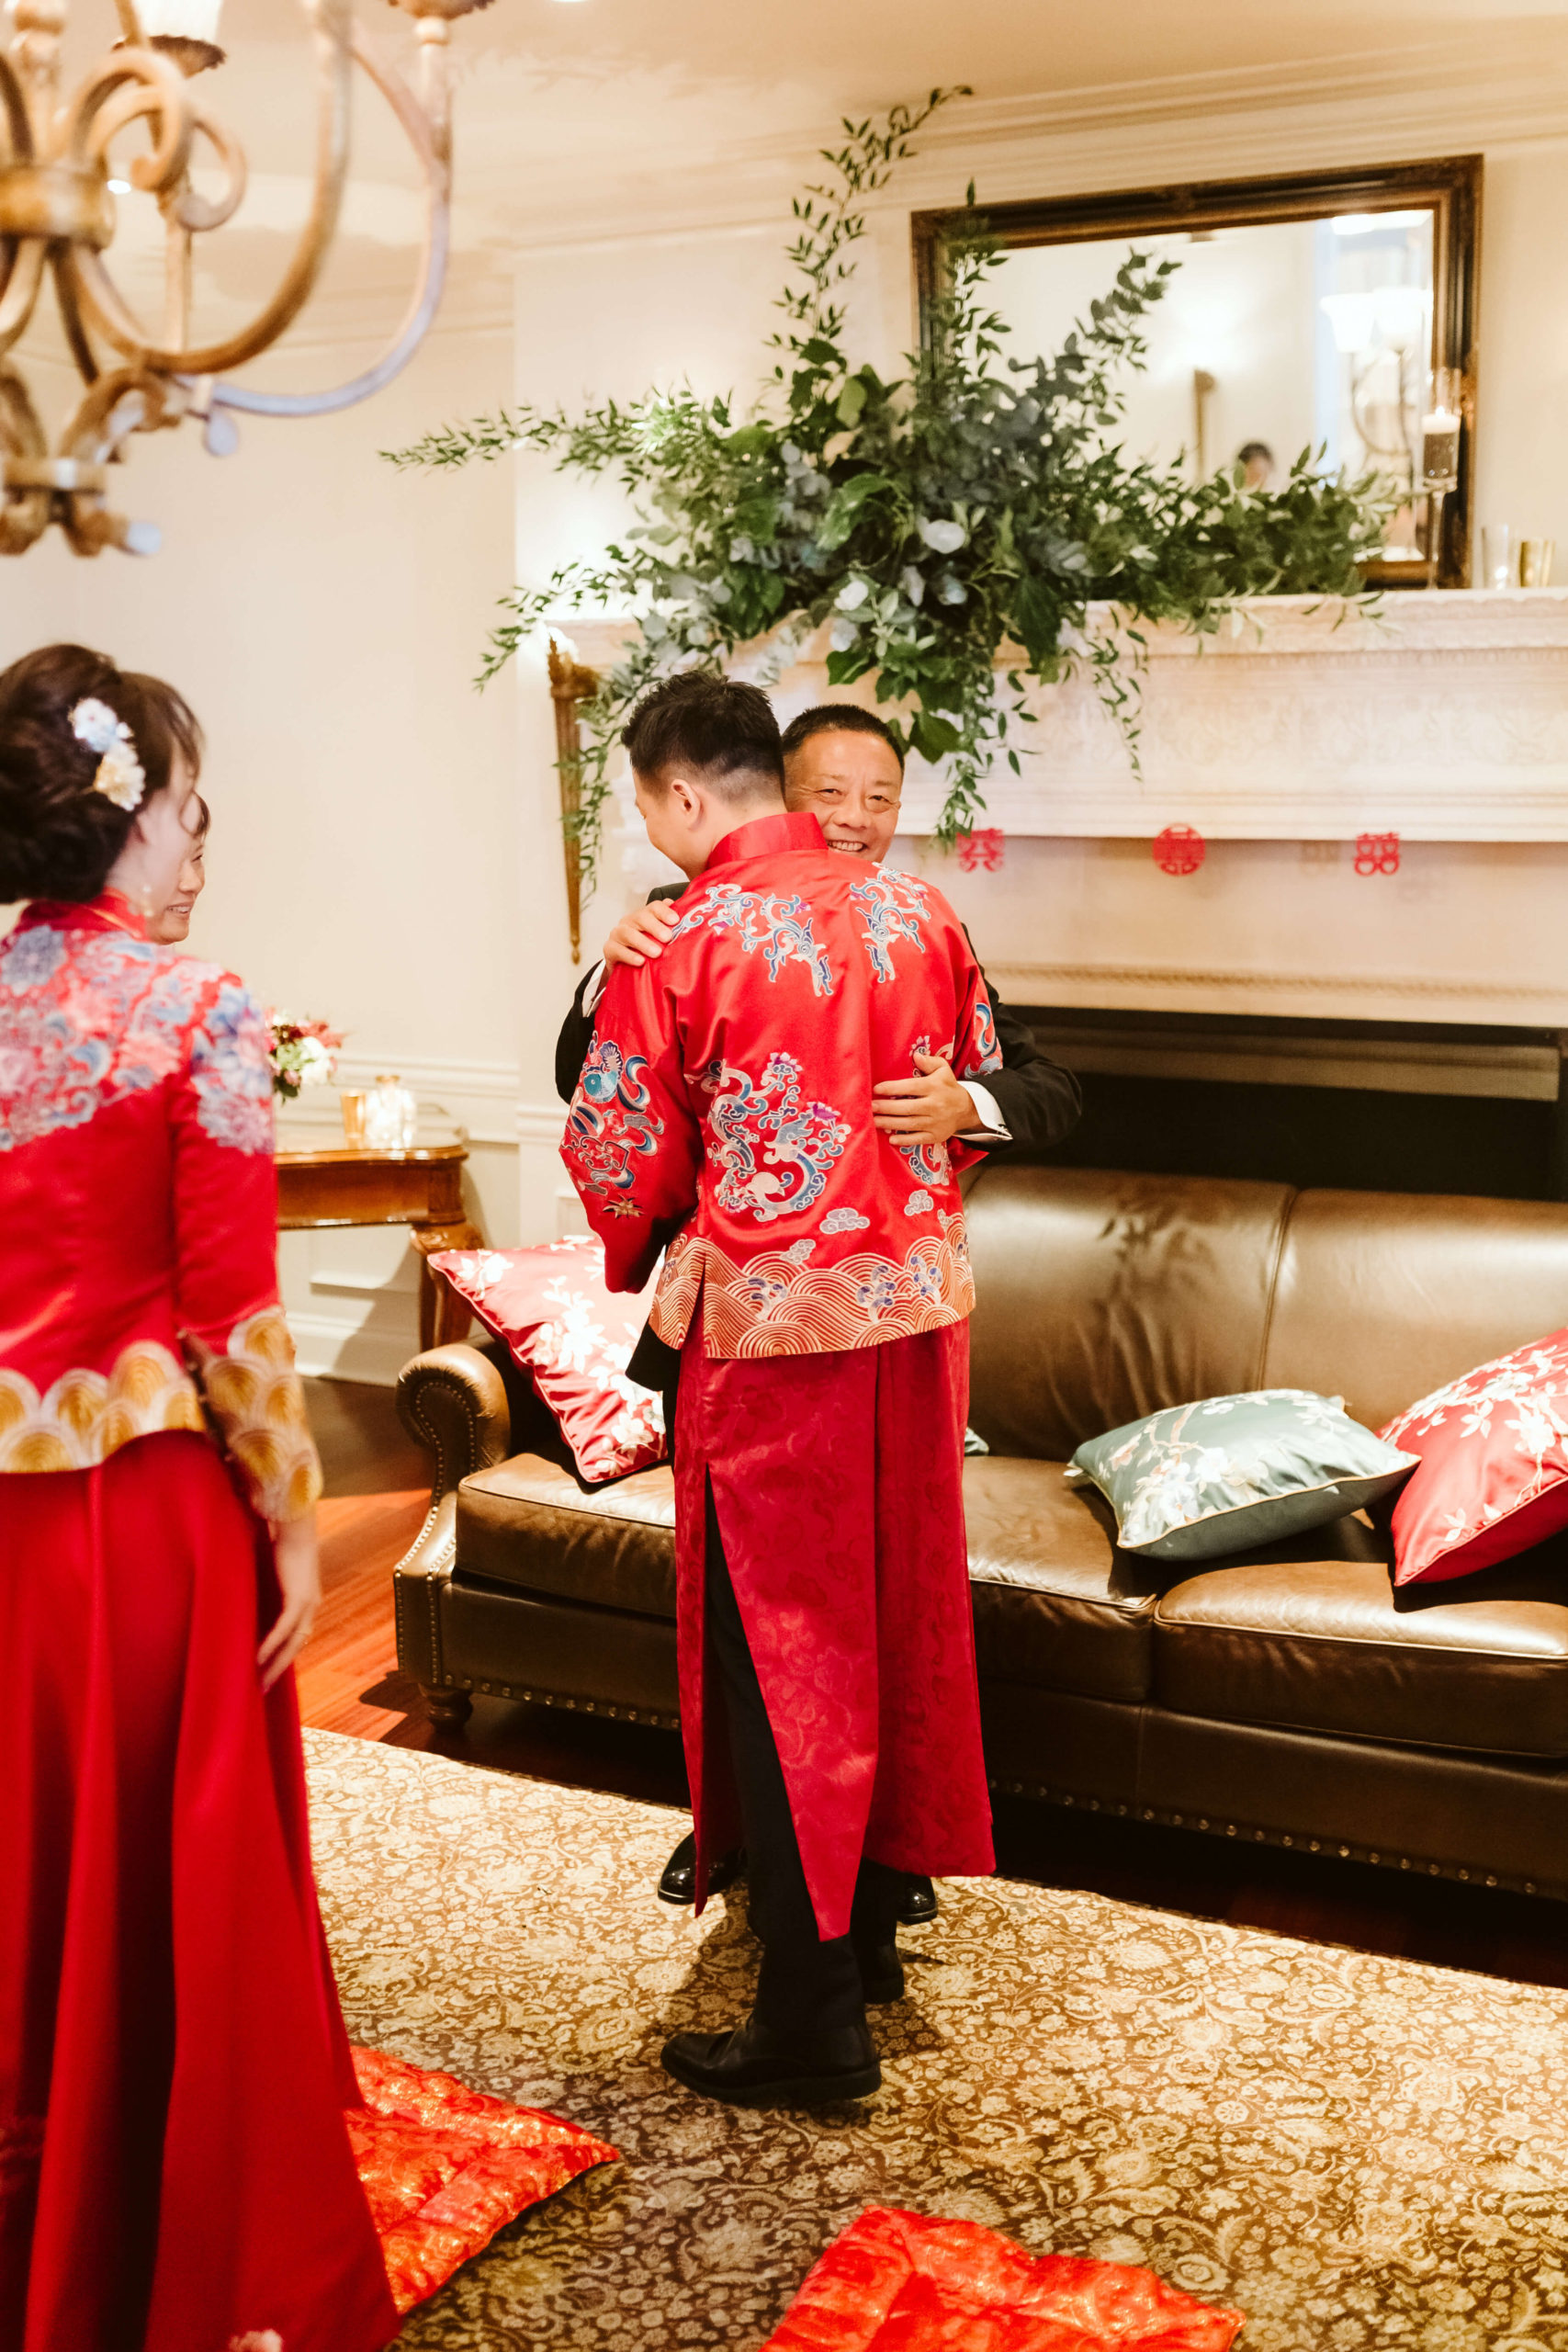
(120, 777)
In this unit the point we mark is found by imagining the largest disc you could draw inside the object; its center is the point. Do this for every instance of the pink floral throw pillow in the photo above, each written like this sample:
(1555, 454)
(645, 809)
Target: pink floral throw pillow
(574, 1339)
(1492, 1478)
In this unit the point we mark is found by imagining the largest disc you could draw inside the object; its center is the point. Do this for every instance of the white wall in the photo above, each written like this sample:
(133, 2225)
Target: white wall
(324, 614)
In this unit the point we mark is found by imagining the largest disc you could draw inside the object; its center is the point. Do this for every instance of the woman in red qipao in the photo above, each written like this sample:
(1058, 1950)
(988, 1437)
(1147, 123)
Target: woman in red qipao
(175, 2172)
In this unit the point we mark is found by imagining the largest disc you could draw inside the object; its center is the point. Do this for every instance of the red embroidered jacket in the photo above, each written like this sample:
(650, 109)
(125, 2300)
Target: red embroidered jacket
(725, 1108)
(139, 1207)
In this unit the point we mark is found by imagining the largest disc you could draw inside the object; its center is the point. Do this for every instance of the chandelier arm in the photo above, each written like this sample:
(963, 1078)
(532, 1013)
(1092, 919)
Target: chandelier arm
(101, 299)
(435, 158)
(393, 361)
(20, 297)
(200, 213)
(76, 336)
(133, 83)
(24, 513)
(18, 122)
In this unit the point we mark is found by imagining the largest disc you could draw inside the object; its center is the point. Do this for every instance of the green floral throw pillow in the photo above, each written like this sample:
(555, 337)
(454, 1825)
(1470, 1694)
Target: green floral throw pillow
(1230, 1472)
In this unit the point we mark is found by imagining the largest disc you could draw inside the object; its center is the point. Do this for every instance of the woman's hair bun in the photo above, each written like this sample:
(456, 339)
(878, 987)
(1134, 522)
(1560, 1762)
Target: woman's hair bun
(58, 838)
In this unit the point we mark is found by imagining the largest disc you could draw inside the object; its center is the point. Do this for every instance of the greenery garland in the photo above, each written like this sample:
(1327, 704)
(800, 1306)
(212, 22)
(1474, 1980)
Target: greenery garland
(975, 504)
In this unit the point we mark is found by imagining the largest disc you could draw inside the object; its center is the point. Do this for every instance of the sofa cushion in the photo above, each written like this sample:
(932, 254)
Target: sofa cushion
(1324, 1645)
(1492, 1479)
(1383, 1297)
(549, 1308)
(1055, 1603)
(1102, 1296)
(1228, 1475)
(528, 1524)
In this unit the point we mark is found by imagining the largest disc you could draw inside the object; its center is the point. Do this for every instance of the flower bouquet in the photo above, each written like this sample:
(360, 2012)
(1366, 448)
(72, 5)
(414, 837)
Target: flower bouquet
(302, 1053)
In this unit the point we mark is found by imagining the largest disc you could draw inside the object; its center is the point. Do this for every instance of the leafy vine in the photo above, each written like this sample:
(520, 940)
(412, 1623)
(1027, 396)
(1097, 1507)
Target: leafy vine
(974, 504)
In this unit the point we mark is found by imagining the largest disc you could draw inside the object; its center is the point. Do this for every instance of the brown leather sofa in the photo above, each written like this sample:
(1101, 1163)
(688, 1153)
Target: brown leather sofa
(1286, 1694)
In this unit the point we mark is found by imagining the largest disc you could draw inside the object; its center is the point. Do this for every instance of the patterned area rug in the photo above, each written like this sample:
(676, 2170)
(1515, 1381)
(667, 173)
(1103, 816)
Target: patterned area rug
(1358, 2152)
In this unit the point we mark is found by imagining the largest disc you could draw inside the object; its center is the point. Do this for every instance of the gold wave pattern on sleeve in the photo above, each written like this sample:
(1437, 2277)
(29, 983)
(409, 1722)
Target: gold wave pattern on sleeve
(84, 1417)
(776, 1304)
(254, 1398)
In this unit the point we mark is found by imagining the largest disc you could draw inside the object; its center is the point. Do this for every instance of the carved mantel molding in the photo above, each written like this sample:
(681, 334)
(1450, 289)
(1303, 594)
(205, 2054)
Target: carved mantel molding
(1444, 716)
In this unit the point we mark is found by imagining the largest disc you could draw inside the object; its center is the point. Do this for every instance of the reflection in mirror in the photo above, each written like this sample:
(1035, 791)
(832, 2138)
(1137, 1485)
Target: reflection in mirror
(1271, 339)
(1331, 315)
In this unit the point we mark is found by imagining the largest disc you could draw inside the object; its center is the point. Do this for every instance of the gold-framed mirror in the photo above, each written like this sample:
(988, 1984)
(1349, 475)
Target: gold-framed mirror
(1331, 311)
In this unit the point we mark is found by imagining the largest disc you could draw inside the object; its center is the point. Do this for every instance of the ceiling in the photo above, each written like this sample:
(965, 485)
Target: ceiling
(604, 116)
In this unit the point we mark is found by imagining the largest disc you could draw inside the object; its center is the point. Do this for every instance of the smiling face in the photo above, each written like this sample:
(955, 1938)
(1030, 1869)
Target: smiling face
(150, 869)
(851, 783)
(171, 923)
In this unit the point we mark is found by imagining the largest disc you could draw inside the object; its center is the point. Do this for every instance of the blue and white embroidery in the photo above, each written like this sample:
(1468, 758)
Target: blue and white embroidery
(894, 905)
(844, 1221)
(89, 1020)
(610, 1123)
(32, 957)
(231, 1073)
(985, 1054)
(780, 927)
(878, 1294)
(772, 1150)
(927, 1281)
(918, 1205)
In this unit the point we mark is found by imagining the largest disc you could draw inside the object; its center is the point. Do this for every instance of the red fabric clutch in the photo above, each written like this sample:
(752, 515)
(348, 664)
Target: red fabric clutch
(444, 2167)
(574, 1339)
(902, 2282)
(1492, 1478)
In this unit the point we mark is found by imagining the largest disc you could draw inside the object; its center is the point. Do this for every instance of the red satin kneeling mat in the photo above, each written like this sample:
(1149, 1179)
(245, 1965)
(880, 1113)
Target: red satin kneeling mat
(444, 2167)
(902, 2282)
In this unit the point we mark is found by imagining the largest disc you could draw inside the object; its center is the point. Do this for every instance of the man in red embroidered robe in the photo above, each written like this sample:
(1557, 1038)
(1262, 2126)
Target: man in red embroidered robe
(818, 1284)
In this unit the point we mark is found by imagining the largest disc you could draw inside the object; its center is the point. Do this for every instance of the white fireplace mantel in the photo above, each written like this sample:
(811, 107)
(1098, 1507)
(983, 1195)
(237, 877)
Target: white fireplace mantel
(1443, 716)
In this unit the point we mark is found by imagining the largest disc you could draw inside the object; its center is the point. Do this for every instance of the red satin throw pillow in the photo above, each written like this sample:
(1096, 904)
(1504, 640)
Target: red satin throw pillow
(574, 1339)
(1492, 1478)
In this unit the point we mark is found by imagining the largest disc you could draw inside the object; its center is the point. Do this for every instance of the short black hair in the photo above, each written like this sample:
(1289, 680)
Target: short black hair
(1249, 450)
(838, 717)
(723, 730)
(58, 838)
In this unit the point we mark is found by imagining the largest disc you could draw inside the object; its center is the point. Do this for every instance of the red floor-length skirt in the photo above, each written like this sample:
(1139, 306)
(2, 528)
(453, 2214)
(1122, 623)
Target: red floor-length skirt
(174, 2169)
(837, 1483)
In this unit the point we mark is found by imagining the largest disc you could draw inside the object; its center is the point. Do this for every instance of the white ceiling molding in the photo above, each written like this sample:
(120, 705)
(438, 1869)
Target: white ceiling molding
(1385, 106)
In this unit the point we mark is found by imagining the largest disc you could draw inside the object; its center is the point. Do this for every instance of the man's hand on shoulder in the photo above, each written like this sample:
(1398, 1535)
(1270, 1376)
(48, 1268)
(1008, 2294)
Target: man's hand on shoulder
(642, 936)
(929, 1108)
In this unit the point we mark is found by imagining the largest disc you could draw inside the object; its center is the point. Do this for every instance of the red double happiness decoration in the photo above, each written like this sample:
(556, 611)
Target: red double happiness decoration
(982, 851)
(1181, 848)
(1377, 853)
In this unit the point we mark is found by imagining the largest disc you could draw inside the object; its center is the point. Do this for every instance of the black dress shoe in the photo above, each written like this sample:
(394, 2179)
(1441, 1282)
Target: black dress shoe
(678, 1882)
(881, 1973)
(755, 2066)
(919, 1904)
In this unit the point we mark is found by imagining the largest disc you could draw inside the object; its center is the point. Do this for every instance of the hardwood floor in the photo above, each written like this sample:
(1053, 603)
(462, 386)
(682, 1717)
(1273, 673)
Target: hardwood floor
(377, 1491)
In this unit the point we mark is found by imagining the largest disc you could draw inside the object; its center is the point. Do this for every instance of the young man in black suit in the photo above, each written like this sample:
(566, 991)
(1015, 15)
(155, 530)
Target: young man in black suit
(841, 763)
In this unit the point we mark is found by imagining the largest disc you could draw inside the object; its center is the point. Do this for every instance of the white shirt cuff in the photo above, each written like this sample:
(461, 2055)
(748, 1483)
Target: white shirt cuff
(594, 987)
(991, 1129)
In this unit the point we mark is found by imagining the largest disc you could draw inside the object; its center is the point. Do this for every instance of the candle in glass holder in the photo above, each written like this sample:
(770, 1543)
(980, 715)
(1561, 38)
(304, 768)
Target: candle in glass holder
(1440, 445)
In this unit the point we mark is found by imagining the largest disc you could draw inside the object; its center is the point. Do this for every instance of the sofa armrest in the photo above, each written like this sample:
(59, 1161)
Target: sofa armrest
(452, 1402)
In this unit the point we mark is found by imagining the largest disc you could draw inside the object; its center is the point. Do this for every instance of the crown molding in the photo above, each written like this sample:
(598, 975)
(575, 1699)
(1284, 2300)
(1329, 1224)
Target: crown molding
(1383, 106)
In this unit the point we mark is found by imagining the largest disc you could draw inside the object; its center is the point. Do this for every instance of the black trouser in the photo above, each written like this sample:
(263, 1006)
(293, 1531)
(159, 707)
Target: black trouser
(807, 1984)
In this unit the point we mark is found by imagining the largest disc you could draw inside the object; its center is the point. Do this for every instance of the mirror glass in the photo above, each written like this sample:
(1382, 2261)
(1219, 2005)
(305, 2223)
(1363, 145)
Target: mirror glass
(1272, 337)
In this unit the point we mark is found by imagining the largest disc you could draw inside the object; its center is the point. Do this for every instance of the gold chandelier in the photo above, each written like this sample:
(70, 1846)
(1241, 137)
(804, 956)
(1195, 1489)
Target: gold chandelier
(56, 218)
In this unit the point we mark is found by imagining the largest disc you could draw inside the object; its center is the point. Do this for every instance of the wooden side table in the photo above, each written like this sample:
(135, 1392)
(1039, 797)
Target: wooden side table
(321, 1181)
